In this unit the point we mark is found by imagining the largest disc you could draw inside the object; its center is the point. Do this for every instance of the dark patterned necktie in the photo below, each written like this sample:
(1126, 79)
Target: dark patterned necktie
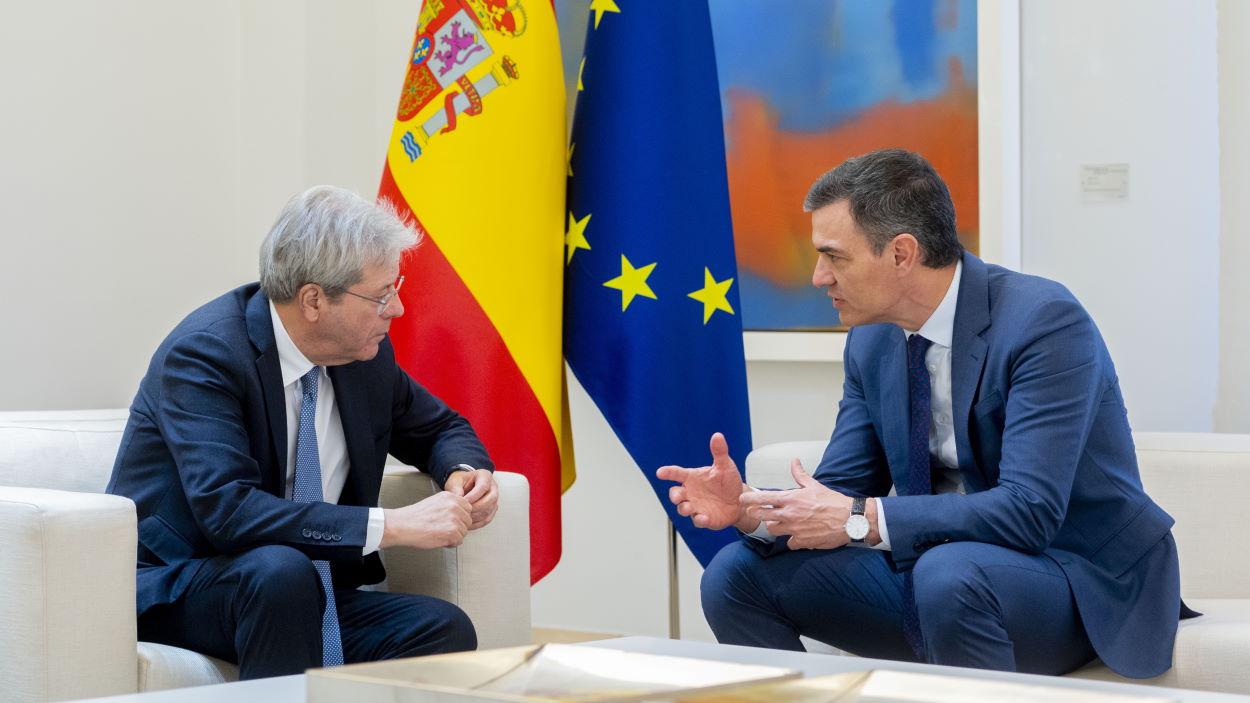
(919, 480)
(308, 490)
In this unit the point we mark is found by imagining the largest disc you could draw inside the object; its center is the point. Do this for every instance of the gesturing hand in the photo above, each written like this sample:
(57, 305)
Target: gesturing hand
(811, 514)
(709, 494)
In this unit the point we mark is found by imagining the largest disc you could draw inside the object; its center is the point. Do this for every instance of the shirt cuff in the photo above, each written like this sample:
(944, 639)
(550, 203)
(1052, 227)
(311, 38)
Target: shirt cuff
(884, 544)
(762, 534)
(373, 532)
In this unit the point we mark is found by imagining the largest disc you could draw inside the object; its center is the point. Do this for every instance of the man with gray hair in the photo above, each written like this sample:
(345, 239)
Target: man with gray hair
(981, 462)
(254, 455)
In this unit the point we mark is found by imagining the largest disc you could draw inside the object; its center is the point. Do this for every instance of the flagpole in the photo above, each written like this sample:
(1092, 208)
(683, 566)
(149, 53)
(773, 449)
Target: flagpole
(674, 602)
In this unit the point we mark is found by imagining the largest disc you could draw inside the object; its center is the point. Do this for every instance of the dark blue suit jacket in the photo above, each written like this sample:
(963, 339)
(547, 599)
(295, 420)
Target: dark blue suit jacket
(204, 452)
(1044, 449)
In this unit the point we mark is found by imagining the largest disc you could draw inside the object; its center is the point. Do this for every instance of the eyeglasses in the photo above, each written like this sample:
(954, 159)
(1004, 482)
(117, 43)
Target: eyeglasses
(384, 300)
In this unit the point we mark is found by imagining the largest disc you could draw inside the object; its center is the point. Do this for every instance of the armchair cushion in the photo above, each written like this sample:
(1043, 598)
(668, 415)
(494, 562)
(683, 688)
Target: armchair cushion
(68, 611)
(163, 667)
(1202, 480)
(487, 576)
(1211, 651)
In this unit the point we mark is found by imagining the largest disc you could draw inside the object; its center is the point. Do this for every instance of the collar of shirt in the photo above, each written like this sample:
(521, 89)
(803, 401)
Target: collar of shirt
(293, 362)
(940, 327)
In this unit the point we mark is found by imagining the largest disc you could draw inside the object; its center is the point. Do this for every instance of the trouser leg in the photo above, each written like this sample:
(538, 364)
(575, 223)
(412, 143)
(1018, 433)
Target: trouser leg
(260, 609)
(849, 598)
(990, 607)
(379, 626)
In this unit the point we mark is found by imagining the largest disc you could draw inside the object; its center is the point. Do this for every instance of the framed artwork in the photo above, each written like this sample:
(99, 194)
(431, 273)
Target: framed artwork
(806, 84)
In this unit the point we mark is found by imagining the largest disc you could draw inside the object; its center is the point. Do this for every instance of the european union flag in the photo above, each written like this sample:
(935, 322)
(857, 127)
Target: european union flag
(652, 320)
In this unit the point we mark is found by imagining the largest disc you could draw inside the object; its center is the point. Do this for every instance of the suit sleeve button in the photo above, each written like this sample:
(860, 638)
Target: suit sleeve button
(307, 532)
(316, 535)
(337, 538)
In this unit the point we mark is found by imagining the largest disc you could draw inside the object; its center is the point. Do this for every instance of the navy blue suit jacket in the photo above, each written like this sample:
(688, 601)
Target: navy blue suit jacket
(1044, 449)
(204, 452)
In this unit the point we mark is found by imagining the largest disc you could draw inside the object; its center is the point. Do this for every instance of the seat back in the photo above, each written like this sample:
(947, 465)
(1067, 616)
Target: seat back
(69, 450)
(769, 466)
(1203, 480)
(1200, 478)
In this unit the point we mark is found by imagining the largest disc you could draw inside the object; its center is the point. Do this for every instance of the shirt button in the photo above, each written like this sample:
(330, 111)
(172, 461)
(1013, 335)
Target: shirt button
(932, 368)
(944, 419)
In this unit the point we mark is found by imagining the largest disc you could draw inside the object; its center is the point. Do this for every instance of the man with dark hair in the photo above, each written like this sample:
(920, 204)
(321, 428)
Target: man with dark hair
(1017, 535)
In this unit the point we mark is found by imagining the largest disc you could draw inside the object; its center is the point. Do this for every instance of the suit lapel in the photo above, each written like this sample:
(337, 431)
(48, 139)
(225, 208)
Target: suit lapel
(895, 404)
(260, 330)
(968, 352)
(361, 487)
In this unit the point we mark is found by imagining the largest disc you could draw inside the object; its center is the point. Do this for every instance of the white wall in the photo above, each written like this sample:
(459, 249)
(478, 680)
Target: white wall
(1232, 408)
(147, 147)
(149, 143)
(1112, 82)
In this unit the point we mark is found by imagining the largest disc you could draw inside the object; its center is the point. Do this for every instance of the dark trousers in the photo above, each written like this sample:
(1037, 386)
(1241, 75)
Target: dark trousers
(980, 605)
(262, 610)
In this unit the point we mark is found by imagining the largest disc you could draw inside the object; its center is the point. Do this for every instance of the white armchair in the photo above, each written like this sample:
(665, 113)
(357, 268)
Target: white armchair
(1202, 480)
(67, 582)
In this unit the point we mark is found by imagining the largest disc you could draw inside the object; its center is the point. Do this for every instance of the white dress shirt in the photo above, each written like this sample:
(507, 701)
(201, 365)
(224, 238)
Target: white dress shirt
(940, 330)
(331, 445)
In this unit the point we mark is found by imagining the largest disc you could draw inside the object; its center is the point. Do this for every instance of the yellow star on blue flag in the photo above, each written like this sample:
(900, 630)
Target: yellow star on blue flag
(575, 237)
(713, 295)
(601, 6)
(632, 282)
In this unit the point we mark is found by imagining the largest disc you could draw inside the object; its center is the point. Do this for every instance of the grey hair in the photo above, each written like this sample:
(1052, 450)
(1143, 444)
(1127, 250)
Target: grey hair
(328, 235)
(890, 192)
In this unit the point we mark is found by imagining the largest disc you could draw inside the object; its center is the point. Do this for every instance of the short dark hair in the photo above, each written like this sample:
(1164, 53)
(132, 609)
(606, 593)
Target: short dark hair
(892, 191)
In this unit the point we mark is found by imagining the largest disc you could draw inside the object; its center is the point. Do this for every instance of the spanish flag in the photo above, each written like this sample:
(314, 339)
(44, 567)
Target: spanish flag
(477, 157)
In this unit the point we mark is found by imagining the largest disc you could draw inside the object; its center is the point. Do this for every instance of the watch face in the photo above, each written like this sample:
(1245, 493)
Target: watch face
(857, 527)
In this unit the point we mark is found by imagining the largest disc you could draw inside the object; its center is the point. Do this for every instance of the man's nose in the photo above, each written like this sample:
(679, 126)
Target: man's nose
(822, 275)
(394, 309)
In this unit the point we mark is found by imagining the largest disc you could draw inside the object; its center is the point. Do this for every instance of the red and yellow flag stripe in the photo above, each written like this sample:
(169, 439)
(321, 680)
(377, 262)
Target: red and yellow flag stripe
(477, 157)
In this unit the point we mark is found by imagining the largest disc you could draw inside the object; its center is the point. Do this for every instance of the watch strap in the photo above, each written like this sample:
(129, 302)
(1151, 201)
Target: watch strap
(858, 505)
(858, 520)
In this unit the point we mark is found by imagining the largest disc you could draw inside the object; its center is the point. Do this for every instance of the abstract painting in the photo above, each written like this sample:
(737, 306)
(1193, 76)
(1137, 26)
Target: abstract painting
(807, 83)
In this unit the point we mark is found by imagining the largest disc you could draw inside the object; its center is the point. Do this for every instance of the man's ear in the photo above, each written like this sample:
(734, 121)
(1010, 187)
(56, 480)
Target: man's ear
(905, 251)
(311, 301)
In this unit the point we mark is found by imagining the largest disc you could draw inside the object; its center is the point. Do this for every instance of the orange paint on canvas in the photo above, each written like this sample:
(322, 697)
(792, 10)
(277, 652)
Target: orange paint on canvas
(770, 170)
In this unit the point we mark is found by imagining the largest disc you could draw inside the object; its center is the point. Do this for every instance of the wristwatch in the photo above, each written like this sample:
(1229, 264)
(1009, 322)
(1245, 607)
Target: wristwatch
(857, 525)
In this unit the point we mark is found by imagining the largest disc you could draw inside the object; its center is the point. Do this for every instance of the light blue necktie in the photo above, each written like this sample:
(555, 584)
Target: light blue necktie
(308, 490)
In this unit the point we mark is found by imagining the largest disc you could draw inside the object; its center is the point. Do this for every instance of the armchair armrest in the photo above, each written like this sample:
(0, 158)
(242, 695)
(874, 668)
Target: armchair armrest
(488, 576)
(68, 609)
